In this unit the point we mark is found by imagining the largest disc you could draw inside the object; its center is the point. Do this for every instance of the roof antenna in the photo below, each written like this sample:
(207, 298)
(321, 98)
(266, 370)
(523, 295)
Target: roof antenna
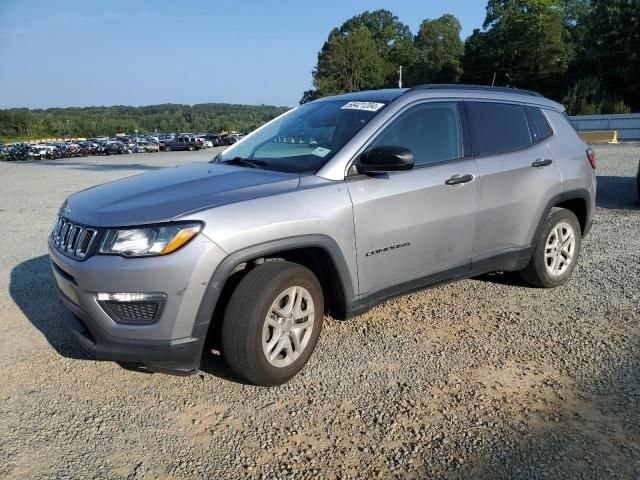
(493, 82)
(400, 79)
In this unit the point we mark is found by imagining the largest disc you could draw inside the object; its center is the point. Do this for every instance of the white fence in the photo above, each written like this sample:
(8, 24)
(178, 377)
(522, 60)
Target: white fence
(627, 125)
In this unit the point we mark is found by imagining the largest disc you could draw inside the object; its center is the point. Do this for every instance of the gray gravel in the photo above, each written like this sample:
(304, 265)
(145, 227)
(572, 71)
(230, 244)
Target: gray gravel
(480, 378)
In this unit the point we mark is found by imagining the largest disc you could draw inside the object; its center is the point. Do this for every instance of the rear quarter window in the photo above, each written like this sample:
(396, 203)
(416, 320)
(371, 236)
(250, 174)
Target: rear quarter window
(497, 128)
(541, 128)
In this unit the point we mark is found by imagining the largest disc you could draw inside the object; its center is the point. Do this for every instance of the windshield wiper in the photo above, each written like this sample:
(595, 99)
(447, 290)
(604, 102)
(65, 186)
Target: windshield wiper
(247, 161)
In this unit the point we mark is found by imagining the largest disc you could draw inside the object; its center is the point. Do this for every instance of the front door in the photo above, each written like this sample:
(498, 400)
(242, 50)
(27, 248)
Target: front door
(420, 222)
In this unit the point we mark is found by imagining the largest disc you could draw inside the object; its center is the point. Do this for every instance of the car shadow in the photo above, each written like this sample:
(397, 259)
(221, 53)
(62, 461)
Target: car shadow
(512, 279)
(31, 287)
(214, 364)
(619, 193)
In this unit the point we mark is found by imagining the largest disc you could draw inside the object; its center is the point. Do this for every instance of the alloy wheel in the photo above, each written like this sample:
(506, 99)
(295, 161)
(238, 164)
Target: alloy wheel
(288, 326)
(559, 249)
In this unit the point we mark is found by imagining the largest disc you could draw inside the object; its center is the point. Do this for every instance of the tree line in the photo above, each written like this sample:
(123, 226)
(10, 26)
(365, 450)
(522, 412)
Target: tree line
(582, 53)
(25, 124)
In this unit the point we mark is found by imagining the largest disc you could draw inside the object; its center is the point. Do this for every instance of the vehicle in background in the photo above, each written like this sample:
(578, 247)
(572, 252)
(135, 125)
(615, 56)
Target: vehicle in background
(206, 143)
(182, 142)
(231, 138)
(144, 147)
(215, 139)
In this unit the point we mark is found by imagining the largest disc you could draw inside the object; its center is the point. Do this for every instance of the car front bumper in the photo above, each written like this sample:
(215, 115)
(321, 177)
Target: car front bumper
(174, 341)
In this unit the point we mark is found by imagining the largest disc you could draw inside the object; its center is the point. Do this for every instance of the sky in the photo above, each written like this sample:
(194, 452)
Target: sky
(143, 52)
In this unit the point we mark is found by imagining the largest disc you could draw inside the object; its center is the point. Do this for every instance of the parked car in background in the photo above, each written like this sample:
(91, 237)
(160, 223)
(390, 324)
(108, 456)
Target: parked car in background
(215, 139)
(144, 147)
(183, 142)
(231, 138)
(205, 142)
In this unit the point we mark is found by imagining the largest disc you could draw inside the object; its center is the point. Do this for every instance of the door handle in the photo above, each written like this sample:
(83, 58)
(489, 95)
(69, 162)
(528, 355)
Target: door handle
(458, 179)
(541, 163)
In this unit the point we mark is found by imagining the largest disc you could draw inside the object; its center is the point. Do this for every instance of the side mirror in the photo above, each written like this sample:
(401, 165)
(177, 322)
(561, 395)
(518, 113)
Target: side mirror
(386, 158)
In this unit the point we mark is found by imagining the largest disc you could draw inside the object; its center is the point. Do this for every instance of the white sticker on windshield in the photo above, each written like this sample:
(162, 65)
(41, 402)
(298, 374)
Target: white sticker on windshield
(320, 152)
(367, 106)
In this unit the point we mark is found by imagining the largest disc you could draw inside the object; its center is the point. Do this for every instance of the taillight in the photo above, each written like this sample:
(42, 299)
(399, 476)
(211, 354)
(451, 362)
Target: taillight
(591, 156)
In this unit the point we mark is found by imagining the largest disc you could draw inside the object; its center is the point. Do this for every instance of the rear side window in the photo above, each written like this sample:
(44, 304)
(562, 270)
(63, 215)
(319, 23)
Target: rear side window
(497, 127)
(541, 128)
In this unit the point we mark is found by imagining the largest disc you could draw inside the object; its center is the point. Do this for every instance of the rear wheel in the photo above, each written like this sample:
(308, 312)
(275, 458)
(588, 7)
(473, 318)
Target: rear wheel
(556, 252)
(272, 322)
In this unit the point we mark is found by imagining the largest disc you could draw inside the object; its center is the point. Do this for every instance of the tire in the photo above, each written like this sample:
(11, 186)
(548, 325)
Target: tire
(249, 325)
(191, 148)
(550, 265)
(167, 148)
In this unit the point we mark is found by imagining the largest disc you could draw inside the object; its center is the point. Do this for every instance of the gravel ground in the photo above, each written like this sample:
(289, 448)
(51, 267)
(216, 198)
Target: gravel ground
(480, 378)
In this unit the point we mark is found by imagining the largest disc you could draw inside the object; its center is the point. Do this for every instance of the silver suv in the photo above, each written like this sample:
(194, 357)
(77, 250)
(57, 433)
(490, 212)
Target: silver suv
(328, 209)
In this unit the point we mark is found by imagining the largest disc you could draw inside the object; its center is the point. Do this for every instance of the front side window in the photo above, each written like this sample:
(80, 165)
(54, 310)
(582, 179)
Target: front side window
(431, 131)
(305, 138)
(497, 128)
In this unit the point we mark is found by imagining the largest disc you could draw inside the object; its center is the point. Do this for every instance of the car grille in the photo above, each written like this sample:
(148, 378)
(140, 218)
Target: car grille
(132, 311)
(72, 239)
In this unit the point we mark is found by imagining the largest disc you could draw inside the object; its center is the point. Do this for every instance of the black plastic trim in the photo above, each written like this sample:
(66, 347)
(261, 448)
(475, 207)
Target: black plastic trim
(226, 267)
(372, 299)
(507, 261)
(109, 309)
(578, 194)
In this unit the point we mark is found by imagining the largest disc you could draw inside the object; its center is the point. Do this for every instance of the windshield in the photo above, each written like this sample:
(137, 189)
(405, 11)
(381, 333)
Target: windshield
(305, 138)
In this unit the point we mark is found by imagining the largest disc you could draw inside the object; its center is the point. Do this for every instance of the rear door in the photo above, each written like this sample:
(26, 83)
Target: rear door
(412, 224)
(518, 176)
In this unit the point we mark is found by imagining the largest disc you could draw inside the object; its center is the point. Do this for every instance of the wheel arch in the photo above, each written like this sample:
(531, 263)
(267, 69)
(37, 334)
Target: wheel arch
(319, 253)
(576, 201)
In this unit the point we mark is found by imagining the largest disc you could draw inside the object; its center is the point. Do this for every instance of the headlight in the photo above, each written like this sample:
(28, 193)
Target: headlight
(148, 241)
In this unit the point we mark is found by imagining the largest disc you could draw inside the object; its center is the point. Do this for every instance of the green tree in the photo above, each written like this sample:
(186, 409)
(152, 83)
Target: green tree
(524, 43)
(588, 96)
(438, 52)
(23, 124)
(612, 47)
(364, 52)
(349, 62)
(309, 96)
(393, 38)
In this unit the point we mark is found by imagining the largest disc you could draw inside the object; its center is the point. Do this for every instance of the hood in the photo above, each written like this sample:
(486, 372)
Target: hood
(165, 194)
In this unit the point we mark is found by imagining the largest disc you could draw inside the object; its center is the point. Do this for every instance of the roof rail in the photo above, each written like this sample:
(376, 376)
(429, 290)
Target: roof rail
(485, 88)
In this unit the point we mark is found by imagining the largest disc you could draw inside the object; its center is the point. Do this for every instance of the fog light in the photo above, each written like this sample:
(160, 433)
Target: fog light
(132, 308)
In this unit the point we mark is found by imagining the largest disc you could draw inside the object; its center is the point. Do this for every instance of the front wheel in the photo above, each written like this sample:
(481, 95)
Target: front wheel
(167, 148)
(272, 322)
(555, 254)
(191, 148)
